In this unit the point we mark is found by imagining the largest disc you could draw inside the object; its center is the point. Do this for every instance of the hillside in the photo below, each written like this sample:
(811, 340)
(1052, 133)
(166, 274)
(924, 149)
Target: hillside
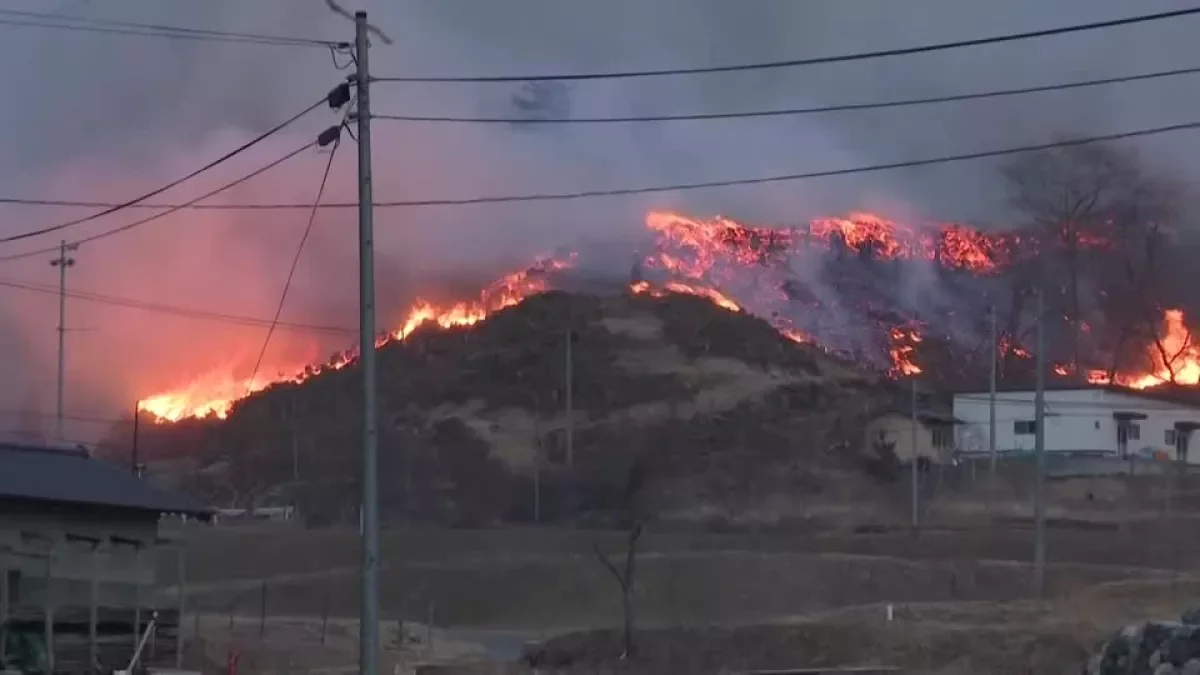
(728, 410)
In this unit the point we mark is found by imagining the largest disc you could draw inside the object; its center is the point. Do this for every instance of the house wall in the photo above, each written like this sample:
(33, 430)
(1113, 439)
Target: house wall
(34, 544)
(897, 429)
(1076, 420)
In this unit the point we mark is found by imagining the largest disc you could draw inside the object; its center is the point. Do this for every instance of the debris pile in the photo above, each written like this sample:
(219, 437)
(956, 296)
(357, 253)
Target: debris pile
(1151, 648)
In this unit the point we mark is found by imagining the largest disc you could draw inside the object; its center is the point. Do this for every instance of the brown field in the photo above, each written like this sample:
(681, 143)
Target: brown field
(706, 601)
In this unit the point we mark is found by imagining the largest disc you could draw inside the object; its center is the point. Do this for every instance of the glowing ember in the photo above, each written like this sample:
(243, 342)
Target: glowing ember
(717, 298)
(904, 344)
(1175, 358)
(952, 245)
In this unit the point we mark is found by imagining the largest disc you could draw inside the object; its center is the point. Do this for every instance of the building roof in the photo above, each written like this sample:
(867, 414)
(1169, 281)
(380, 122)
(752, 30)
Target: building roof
(70, 476)
(1167, 393)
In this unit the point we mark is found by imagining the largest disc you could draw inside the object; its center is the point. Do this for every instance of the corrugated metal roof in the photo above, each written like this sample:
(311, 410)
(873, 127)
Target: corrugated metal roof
(69, 476)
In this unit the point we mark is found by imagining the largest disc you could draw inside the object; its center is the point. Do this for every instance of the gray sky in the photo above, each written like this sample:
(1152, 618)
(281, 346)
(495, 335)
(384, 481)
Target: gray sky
(107, 116)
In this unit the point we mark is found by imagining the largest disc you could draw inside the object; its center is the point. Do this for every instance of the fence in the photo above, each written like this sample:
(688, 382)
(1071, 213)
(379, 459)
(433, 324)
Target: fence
(296, 612)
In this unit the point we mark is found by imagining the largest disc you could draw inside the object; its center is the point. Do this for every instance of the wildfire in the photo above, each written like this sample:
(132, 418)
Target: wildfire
(710, 258)
(717, 298)
(1175, 358)
(904, 344)
(953, 245)
(214, 394)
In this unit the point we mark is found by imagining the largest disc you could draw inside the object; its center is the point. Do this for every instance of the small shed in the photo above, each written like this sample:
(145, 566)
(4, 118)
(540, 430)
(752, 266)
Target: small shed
(894, 429)
(81, 542)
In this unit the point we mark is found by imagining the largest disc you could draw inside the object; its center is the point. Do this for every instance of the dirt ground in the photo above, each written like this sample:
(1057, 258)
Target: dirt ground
(707, 602)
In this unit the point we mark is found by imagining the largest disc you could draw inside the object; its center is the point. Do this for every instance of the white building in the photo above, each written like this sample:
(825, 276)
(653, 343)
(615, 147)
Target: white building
(1115, 421)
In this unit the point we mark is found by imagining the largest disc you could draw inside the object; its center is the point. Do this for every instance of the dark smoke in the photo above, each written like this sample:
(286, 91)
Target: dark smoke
(104, 117)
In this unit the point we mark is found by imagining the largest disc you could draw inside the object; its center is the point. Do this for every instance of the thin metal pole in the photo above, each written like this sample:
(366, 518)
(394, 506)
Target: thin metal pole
(62, 262)
(368, 656)
(180, 602)
(569, 387)
(537, 486)
(48, 600)
(133, 450)
(993, 350)
(1039, 422)
(914, 465)
(295, 444)
(4, 602)
(94, 609)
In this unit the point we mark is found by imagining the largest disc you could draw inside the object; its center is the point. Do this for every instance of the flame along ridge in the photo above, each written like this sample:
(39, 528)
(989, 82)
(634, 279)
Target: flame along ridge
(696, 254)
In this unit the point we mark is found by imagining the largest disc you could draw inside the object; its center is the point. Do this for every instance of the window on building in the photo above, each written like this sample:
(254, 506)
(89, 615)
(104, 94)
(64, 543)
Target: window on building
(1025, 427)
(14, 582)
(1169, 437)
(1129, 431)
(943, 437)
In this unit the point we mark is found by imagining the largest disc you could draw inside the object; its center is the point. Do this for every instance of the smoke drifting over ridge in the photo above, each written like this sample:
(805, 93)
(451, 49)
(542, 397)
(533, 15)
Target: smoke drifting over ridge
(109, 116)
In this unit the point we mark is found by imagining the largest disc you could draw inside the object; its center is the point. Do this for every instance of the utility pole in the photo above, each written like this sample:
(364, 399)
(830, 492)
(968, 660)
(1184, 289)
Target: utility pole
(537, 484)
(1039, 422)
(993, 351)
(569, 387)
(368, 654)
(295, 444)
(134, 460)
(915, 464)
(62, 262)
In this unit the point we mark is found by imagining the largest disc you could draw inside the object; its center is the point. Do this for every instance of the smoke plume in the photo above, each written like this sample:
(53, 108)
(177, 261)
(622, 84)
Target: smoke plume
(100, 116)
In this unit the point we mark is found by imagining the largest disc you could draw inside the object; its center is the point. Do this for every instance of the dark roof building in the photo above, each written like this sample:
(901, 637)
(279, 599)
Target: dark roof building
(69, 477)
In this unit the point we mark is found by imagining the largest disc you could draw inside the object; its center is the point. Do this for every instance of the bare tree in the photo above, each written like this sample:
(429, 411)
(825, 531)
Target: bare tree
(1092, 210)
(633, 515)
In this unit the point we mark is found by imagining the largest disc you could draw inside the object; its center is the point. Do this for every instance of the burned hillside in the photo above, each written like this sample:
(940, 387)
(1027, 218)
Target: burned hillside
(720, 401)
(679, 363)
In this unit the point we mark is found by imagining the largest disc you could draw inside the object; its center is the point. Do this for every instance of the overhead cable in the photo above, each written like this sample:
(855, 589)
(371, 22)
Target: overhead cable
(784, 112)
(677, 187)
(175, 310)
(783, 178)
(171, 209)
(771, 65)
(84, 24)
(333, 137)
(175, 183)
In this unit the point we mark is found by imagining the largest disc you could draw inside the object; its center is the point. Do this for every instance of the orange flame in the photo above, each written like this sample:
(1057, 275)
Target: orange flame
(214, 394)
(710, 245)
(1174, 358)
(953, 245)
(904, 345)
(719, 299)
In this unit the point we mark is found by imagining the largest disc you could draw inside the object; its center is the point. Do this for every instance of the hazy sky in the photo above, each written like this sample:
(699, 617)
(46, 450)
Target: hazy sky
(102, 116)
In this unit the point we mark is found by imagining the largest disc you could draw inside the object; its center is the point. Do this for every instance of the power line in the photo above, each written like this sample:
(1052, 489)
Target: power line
(312, 217)
(624, 191)
(14, 412)
(861, 56)
(173, 209)
(680, 187)
(951, 98)
(176, 310)
(562, 196)
(74, 23)
(126, 204)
